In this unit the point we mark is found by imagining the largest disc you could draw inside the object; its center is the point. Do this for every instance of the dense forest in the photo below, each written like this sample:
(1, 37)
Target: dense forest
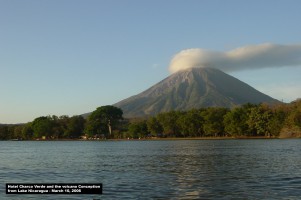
(249, 120)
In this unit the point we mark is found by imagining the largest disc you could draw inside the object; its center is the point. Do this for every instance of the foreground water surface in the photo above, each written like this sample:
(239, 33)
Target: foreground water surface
(178, 169)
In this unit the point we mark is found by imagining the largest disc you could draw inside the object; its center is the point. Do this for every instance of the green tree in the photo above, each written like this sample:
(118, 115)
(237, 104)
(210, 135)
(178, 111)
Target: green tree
(138, 129)
(213, 121)
(18, 132)
(42, 126)
(4, 134)
(168, 121)
(154, 126)
(191, 123)
(277, 120)
(104, 119)
(292, 125)
(27, 132)
(258, 120)
(75, 127)
(93, 127)
(61, 124)
(57, 126)
(235, 122)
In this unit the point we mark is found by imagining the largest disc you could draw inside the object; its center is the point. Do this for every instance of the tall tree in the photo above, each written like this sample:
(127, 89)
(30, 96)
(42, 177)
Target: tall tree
(213, 121)
(42, 126)
(191, 123)
(105, 118)
(4, 133)
(169, 122)
(75, 127)
(27, 132)
(138, 129)
(18, 132)
(258, 120)
(235, 122)
(154, 126)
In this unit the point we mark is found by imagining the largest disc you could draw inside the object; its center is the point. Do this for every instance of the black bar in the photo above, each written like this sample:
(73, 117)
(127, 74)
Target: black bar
(53, 188)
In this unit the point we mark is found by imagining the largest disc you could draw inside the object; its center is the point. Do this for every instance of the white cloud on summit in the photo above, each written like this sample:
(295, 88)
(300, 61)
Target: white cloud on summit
(247, 57)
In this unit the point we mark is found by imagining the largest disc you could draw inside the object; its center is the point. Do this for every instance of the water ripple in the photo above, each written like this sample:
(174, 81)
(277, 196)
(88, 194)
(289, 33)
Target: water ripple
(196, 169)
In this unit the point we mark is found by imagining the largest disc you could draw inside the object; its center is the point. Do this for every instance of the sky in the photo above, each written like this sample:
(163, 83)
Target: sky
(68, 57)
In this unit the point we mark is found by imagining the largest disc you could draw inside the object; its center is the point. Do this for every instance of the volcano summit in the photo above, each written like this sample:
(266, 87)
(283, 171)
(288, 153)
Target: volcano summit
(192, 88)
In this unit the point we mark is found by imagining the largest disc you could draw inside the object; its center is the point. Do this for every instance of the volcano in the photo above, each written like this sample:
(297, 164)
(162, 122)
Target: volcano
(192, 88)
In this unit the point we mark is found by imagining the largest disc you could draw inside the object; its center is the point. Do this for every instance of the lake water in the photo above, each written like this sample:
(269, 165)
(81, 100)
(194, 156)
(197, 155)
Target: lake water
(179, 169)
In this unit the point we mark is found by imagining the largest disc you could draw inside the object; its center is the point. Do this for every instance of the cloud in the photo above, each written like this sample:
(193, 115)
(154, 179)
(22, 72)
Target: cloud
(247, 57)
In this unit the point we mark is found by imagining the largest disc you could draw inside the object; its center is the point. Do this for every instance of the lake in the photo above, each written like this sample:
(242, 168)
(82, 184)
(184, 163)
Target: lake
(164, 169)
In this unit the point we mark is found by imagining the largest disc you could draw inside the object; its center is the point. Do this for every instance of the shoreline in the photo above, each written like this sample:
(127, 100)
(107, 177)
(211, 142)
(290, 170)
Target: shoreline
(165, 139)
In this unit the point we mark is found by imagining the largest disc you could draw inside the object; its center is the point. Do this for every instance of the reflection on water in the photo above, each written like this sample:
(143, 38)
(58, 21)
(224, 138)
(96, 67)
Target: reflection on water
(186, 169)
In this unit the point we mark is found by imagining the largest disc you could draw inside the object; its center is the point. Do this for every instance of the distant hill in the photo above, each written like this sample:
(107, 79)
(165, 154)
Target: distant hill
(192, 88)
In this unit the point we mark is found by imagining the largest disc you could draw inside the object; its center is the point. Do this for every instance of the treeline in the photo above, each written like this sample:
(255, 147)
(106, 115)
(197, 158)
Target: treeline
(48, 127)
(100, 123)
(249, 120)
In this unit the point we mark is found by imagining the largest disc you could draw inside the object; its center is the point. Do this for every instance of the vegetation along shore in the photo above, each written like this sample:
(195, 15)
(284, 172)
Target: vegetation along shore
(106, 122)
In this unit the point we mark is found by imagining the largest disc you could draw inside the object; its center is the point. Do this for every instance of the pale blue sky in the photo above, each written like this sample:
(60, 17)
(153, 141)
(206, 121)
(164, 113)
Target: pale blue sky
(67, 57)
